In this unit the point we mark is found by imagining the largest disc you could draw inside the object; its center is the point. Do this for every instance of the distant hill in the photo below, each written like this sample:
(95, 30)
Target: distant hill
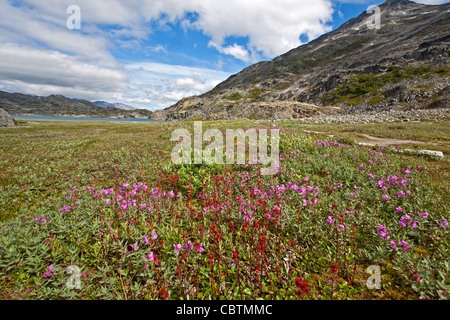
(58, 105)
(122, 106)
(403, 65)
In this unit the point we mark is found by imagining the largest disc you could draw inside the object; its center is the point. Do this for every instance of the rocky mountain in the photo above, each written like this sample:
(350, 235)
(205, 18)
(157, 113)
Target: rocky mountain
(6, 121)
(122, 106)
(57, 105)
(356, 68)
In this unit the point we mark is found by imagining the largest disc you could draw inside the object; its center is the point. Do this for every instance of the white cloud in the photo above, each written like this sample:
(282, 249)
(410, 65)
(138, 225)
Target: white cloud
(35, 71)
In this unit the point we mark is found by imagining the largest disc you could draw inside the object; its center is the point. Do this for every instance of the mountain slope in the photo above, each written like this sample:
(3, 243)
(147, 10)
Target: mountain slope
(121, 106)
(57, 105)
(403, 65)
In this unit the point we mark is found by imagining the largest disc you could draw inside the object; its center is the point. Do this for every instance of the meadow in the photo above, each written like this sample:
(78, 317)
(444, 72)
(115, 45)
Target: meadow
(107, 199)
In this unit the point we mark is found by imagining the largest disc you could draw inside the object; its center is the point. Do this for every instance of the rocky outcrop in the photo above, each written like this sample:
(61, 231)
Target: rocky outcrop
(6, 121)
(404, 65)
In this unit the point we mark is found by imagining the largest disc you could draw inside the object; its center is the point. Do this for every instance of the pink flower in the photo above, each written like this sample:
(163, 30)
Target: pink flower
(399, 209)
(330, 220)
(385, 197)
(393, 244)
(177, 247)
(404, 245)
(352, 194)
(135, 247)
(305, 203)
(424, 215)
(188, 246)
(154, 235)
(444, 224)
(150, 257)
(200, 248)
(371, 176)
(107, 202)
(145, 239)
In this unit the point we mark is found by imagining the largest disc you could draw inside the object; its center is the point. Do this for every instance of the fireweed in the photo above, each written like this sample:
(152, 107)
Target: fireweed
(239, 234)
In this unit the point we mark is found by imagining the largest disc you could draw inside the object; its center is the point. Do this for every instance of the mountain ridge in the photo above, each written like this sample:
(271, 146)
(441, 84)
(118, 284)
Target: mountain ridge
(59, 105)
(403, 65)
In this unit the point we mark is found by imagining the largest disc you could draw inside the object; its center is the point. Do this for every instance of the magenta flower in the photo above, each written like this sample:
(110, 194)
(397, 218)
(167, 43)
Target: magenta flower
(65, 208)
(394, 245)
(444, 224)
(404, 245)
(171, 194)
(341, 226)
(305, 203)
(50, 272)
(352, 194)
(118, 198)
(371, 176)
(424, 215)
(399, 209)
(188, 246)
(383, 234)
(177, 247)
(150, 257)
(154, 235)
(135, 247)
(107, 202)
(385, 197)
(145, 239)
(330, 220)
(200, 248)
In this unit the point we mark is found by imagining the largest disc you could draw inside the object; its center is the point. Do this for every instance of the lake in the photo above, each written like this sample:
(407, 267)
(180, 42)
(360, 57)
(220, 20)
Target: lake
(49, 118)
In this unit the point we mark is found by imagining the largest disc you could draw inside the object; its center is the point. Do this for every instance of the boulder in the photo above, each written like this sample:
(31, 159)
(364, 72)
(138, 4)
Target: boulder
(6, 121)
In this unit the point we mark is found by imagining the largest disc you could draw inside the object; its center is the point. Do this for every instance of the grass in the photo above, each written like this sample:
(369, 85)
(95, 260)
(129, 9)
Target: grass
(106, 198)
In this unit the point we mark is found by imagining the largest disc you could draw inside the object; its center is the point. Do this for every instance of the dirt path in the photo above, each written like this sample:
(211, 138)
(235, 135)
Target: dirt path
(366, 139)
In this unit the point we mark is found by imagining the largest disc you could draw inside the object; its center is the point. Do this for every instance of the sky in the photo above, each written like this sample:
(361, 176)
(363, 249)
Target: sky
(151, 54)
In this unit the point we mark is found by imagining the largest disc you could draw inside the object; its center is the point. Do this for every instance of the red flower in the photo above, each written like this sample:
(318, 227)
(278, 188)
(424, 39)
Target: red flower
(235, 255)
(52, 236)
(334, 268)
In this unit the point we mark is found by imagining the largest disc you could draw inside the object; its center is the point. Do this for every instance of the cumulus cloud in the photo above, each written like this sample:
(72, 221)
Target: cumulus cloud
(31, 69)
(164, 84)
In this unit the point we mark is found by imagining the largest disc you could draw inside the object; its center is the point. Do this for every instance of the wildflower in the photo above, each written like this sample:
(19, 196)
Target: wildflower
(305, 203)
(385, 197)
(330, 220)
(341, 226)
(145, 239)
(188, 246)
(118, 198)
(177, 247)
(154, 235)
(235, 255)
(407, 171)
(65, 208)
(371, 176)
(352, 194)
(200, 248)
(414, 224)
(171, 194)
(408, 192)
(424, 215)
(107, 202)
(399, 209)
(404, 245)
(133, 203)
(394, 245)
(124, 205)
(334, 268)
(135, 247)
(444, 224)
(50, 272)
(150, 257)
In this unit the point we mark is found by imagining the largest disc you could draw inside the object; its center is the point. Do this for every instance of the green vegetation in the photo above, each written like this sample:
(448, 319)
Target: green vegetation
(234, 96)
(362, 86)
(106, 198)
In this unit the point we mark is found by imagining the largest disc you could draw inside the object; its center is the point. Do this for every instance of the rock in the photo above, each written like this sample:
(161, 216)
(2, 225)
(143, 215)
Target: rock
(6, 121)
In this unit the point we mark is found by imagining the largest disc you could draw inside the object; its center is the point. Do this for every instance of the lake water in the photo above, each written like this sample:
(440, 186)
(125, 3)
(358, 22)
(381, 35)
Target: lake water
(48, 118)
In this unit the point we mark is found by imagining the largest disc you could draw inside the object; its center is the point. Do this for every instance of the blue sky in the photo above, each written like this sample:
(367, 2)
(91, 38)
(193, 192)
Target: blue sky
(150, 54)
